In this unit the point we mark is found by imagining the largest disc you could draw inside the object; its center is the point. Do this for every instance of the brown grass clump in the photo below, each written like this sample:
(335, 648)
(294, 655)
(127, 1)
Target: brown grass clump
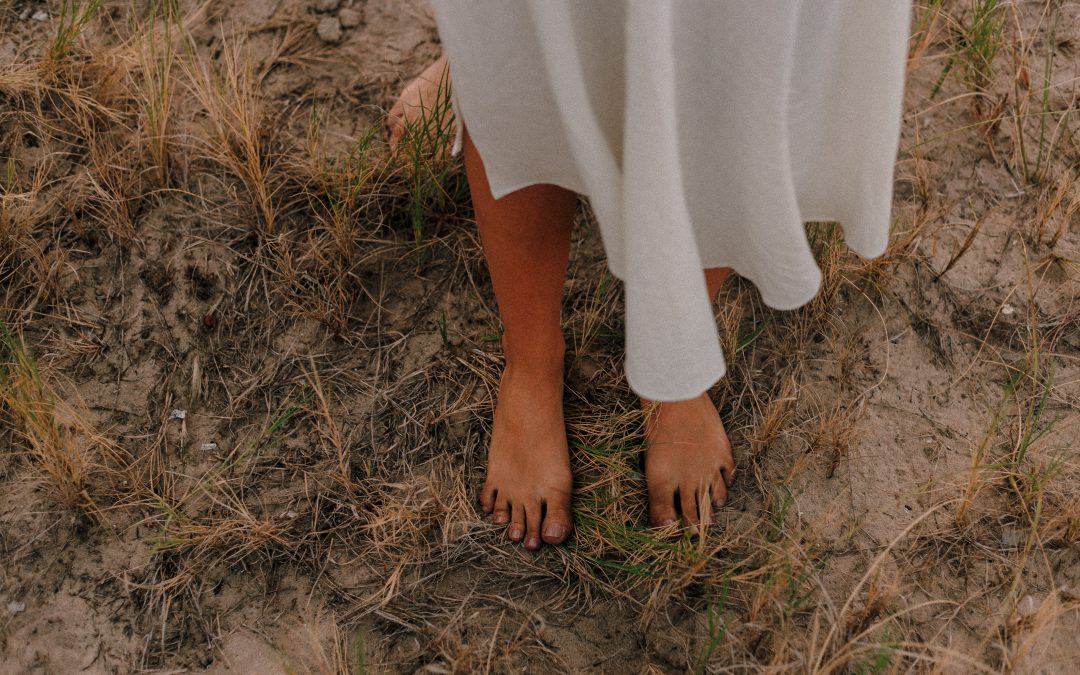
(74, 461)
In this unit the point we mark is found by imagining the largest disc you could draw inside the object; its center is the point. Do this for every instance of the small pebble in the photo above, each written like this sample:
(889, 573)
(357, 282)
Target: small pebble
(350, 18)
(1008, 309)
(178, 414)
(1027, 607)
(208, 446)
(329, 29)
(1012, 537)
(326, 5)
(40, 15)
(16, 606)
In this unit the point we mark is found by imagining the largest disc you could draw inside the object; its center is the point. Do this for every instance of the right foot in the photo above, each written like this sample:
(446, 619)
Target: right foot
(529, 482)
(688, 461)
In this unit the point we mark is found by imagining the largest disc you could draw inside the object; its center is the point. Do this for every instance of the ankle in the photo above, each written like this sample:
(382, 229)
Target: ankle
(535, 357)
(655, 409)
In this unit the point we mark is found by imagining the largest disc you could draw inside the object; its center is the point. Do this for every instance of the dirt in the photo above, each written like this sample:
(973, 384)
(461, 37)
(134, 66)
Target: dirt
(302, 422)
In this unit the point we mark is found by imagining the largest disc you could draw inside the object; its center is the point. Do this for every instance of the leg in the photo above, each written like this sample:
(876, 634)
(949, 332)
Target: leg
(714, 279)
(526, 240)
(688, 461)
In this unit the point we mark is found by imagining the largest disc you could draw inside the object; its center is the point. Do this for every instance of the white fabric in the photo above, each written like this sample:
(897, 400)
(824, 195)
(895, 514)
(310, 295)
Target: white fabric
(704, 132)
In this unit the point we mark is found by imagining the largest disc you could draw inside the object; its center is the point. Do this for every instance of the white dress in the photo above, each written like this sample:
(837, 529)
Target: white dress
(704, 132)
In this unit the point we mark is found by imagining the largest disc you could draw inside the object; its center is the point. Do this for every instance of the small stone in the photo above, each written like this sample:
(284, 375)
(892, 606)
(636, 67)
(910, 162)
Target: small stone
(40, 15)
(326, 5)
(1012, 537)
(178, 414)
(16, 606)
(1027, 607)
(208, 447)
(329, 29)
(1008, 309)
(350, 18)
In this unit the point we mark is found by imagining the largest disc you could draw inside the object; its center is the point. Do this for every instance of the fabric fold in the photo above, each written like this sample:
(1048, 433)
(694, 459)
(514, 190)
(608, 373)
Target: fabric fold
(704, 134)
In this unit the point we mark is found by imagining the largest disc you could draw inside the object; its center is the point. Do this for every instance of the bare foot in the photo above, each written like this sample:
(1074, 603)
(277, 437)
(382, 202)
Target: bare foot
(418, 98)
(528, 477)
(688, 462)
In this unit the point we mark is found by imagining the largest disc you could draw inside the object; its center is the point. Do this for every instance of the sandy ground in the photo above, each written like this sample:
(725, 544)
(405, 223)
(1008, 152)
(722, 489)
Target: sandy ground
(910, 490)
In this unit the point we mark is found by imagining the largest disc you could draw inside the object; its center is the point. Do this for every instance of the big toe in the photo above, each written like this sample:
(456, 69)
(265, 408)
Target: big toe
(557, 524)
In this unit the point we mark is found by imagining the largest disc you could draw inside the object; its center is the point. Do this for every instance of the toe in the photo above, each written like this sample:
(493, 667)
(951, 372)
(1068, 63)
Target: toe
(688, 502)
(516, 531)
(557, 523)
(501, 512)
(487, 498)
(729, 473)
(662, 506)
(532, 525)
(719, 491)
(727, 468)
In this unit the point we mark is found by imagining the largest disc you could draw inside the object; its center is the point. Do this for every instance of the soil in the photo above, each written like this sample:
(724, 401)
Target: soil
(907, 441)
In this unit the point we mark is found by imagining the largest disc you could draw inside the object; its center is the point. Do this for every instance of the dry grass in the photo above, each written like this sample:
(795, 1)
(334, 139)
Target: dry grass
(178, 234)
(76, 464)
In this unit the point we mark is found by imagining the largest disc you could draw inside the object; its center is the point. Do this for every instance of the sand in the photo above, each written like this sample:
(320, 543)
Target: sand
(909, 497)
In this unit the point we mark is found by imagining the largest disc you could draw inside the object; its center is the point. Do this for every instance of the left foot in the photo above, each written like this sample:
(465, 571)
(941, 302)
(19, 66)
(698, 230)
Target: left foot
(688, 461)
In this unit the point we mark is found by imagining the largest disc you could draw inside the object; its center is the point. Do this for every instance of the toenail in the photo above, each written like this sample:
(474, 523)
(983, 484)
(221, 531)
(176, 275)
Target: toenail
(666, 521)
(533, 542)
(515, 533)
(554, 531)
